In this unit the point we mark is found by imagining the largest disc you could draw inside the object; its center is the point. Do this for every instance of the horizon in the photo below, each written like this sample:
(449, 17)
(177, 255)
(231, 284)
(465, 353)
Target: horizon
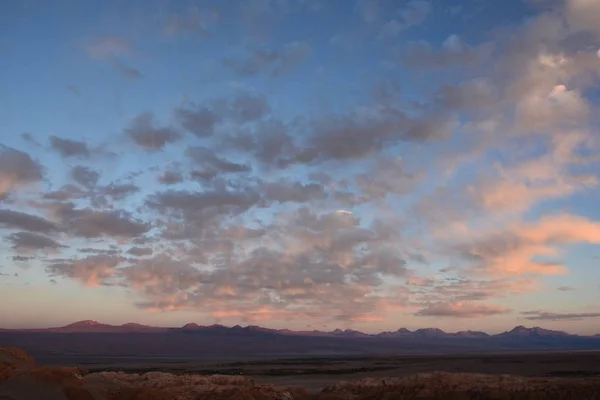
(93, 322)
(308, 165)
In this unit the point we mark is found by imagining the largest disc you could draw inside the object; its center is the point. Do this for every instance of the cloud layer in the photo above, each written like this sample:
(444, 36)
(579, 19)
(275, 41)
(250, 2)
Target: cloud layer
(445, 178)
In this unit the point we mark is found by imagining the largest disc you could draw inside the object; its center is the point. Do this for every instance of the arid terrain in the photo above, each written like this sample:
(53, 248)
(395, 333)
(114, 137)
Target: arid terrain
(551, 376)
(215, 362)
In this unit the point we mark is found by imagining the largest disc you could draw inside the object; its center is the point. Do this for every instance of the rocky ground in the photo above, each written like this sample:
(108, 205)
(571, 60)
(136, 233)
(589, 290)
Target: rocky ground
(22, 379)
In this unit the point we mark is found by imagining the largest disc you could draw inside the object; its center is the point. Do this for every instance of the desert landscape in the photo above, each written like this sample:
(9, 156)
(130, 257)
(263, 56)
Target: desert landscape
(206, 362)
(550, 376)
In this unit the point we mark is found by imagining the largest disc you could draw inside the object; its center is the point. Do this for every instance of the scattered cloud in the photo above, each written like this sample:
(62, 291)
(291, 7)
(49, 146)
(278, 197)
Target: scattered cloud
(335, 192)
(19, 220)
(85, 176)
(461, 310)
(17, 169)
(32, 241)
(69, 148)
(565, 288)
(148, 136)
(550, 316)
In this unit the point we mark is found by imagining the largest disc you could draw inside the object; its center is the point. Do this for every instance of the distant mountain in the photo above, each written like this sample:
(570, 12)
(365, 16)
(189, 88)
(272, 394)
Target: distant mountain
(430, 333)
(535, 332)
(470, 334)
(349, 333)
(90, 326)
(402, 332)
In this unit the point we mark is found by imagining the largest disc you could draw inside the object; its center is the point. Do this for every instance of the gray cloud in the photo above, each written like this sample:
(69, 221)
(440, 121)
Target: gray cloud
(147, 135)
(140, 251)
(89, 223)
(69, 148)
(565, 288)
(119, 191)
(286, 191)
(461, 310)
(209, 161)
(199, 120)
(17, 168)
(389, 176)
(19, 220)
(191, 202)
(85, 176)
(32, 241)
(170, 177)
(270, 143)
(67, 192)
(247, 107)
(550, 316)
(127, 71)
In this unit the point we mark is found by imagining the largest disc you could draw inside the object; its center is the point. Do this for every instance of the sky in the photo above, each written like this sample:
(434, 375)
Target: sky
(301, 164)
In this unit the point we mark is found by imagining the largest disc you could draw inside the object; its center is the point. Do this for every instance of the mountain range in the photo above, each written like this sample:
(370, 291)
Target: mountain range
(89, 326)
(90, 340)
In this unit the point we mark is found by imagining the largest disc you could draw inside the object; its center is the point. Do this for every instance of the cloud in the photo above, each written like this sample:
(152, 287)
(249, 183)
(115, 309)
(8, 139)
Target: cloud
(583, 15)
(92, 271)
(514, 250)
(118, 191)
(17, 169)
(85, 176)
(88, 223)
(285, 191)
(565, 288)
(435, 198)
(19, 220)
(198, 120)
(69, 148)
(206, 158)
(318, 267)
(127, 71)
(170, 177)
(388, 177)
(247, 107)
(191, 202)
(140, 251)
(148, 136)
(32, 241)
(461, 310)
(550, 316)
(67, 192)
(273, 62)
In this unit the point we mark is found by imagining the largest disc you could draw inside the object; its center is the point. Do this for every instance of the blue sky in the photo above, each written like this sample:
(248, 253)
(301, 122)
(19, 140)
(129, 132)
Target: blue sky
(363, 164)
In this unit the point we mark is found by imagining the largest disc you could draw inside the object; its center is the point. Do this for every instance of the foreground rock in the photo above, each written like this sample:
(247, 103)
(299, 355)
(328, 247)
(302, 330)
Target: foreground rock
(22, 379)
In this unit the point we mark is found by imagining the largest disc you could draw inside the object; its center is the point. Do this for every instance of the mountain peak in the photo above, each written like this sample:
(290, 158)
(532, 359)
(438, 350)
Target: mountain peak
(535, 331)
(191, 325)
(87, 322)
